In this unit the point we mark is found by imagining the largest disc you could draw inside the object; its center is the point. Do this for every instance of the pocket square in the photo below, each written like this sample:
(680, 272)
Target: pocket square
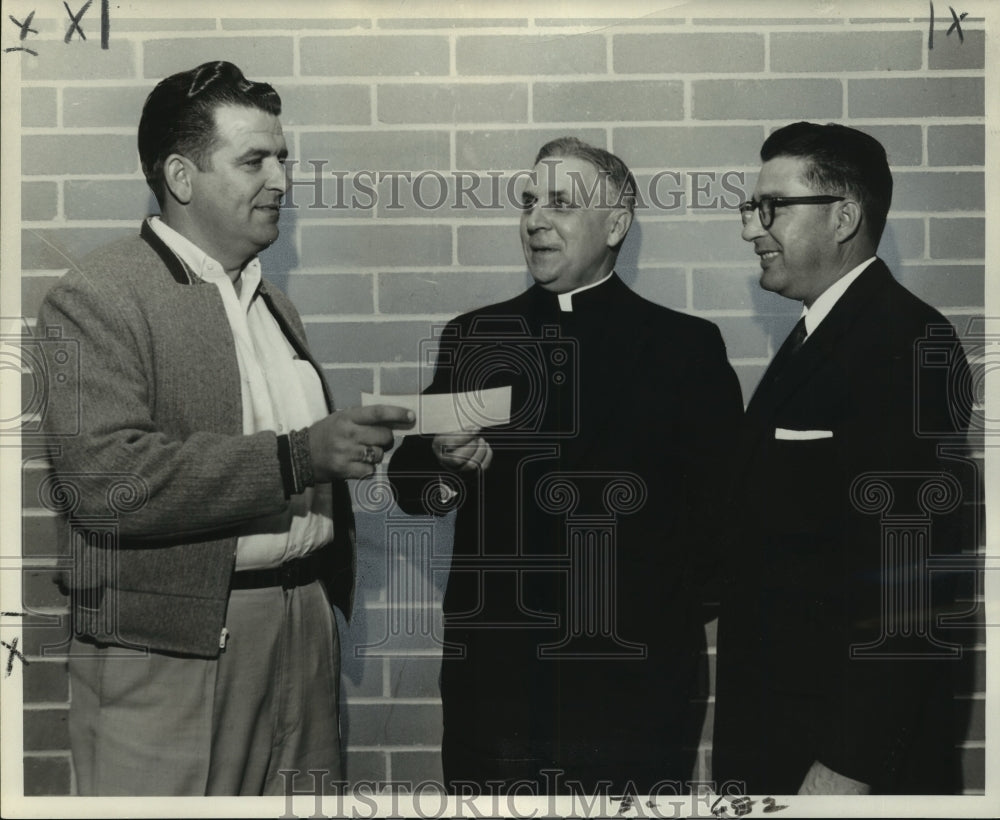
(782, 434)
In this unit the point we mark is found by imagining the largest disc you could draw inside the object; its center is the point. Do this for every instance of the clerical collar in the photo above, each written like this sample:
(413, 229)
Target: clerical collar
(828, 298)
(566, 299)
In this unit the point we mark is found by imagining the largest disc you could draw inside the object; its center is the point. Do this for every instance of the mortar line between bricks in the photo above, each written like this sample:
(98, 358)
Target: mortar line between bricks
(745, 361)
(751, 268)
(55, 754)
(317, 318)
(734, 76)
(403, 318)
(509, 172)
(614, 26)
(946, 168)
(138, 56)
(48, 610)
(128, 177)
(42, 660)
(533, 125)
(608, 74)
(43, 273)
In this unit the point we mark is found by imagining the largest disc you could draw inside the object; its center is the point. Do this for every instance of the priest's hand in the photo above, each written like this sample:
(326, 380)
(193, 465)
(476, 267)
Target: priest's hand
(462, 451)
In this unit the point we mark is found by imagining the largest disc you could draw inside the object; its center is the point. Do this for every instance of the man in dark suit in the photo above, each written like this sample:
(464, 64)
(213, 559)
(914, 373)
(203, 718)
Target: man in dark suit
(831, 679)
(573, 637)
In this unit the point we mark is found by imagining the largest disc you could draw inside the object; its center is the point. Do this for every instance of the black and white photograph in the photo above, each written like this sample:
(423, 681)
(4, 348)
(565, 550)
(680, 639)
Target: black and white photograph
(451, 409)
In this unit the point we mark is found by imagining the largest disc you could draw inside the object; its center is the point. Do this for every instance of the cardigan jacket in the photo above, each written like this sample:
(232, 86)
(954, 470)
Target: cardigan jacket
(151, 470)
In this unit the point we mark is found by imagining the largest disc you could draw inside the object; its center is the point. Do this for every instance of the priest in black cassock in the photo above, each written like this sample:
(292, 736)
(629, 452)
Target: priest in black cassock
(574, 634)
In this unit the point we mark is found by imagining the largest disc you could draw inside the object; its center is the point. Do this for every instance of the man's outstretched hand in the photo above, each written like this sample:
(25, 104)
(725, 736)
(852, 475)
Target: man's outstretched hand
(351, 443)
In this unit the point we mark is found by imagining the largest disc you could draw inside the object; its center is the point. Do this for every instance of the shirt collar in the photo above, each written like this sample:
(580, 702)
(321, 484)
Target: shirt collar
(566, 299)
(829, 297)
(200, 263)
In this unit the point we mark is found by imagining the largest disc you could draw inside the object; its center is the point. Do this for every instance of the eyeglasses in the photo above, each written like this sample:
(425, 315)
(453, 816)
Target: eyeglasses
(766, 205)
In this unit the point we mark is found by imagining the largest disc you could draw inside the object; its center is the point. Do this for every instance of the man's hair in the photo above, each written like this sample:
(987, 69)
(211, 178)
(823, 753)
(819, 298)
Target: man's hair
(178, 116)
(609, 167)
(842, 161)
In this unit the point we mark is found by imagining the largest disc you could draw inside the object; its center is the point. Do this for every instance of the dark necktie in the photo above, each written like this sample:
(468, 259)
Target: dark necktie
(788, 348)
(781, 359)
(796, 337)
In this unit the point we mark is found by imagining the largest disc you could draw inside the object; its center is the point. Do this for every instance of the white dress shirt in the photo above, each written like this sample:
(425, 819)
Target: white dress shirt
(828, 298)
(279, 392)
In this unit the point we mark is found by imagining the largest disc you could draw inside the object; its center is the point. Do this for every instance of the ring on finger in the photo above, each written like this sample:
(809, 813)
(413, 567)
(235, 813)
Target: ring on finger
(370, 456)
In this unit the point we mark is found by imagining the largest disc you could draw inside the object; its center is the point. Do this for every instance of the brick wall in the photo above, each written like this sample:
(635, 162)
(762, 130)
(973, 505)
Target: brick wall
(692, 96)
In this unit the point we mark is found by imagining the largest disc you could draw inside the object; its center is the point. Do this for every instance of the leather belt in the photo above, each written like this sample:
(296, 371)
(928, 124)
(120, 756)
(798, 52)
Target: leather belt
(295, 573)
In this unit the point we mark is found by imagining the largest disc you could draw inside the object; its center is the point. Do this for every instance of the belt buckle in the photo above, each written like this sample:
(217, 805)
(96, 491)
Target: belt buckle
(290, 574)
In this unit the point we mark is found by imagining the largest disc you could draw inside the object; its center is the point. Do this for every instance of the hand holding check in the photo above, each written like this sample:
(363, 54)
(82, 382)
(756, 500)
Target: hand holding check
(350, 443)
(462, 451)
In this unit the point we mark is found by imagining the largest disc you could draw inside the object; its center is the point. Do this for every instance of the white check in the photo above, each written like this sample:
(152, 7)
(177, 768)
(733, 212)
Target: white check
(450, 412)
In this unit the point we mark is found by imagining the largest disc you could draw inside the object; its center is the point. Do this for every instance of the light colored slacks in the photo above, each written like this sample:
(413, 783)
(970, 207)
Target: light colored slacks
(155, 724)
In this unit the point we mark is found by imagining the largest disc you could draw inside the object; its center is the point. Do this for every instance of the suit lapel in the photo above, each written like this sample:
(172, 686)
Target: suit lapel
(860, 297)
